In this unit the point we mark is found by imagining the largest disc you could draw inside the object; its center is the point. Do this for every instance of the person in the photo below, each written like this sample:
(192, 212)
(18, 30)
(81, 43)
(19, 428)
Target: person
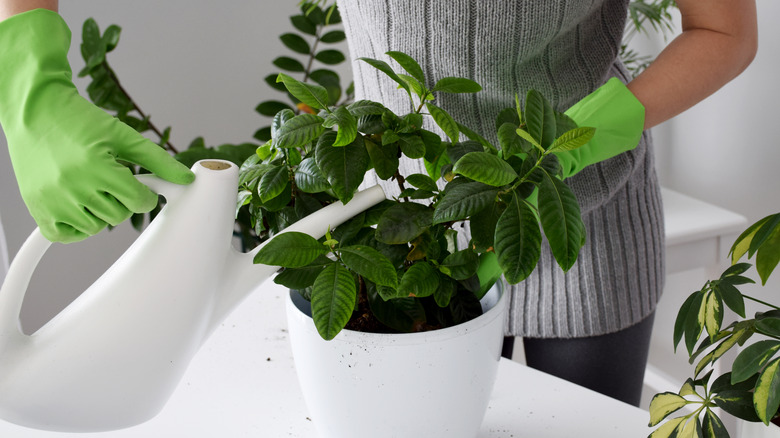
(592, 324)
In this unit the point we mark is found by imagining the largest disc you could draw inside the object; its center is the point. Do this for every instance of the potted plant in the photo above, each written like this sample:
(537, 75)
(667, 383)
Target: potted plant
(749, 390)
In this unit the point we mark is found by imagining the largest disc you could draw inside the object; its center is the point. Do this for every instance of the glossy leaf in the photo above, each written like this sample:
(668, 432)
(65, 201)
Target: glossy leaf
(752, 359)
(334, 36)
(347, 126)
(403, 222)
(444, 293)
(485, 168)
(273, 182)
(483, 226)
(713, 314)
(111, 37)
(509, 141)
(271, 107)
(422, 182)
(768, 255)
(559, 214)
(332, 300)
(369, 263)
(668, 429)
(664, 404)
(694, 322)
(573, 139)
(731, 297)
(682, 316)
(401, 314)
(766, 398)
(763, 233)
(302, 23)
(295, 43)
(411, 145)
(330, 80)
(473, 136)
(290, 250)
(383, 157)
(456, 85)
(313, 95)
(420, 280)
(409, 64)
(540, 118)
(309, 177)
(365, 108)
(445, 121)
(386, 69)
(460, 265)
(344, 167)
(303, 277)
(463, 201)
(299, 131)
(769, 326)
(289, 64)
(518, 241)
(330, 57)
(742, 244)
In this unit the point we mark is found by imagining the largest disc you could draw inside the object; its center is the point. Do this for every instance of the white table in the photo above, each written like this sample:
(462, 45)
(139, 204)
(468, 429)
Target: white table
(243, 384)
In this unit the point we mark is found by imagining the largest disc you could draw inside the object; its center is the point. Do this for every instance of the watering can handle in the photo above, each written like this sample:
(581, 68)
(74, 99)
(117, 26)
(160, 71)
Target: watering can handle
(30, 254)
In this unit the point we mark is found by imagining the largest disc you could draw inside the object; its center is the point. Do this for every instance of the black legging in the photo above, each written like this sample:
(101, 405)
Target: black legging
(612, 364)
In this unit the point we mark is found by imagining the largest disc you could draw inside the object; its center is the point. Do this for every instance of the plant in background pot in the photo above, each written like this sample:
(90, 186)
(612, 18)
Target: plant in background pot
(397, 268)
(751, 389)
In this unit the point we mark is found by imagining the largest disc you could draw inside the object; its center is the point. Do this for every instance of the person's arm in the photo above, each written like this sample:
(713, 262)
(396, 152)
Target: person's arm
(9, 8)
(718, 41)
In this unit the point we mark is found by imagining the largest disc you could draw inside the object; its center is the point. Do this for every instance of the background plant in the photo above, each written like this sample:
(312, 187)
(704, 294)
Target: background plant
(751, 390)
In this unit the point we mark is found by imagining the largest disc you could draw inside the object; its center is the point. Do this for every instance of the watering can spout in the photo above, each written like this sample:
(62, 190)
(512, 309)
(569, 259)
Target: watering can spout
(122, 346)
(242, 276)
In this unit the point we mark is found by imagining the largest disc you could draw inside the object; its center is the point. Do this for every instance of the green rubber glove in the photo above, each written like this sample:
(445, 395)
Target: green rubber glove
(619, 119)
(64, 149)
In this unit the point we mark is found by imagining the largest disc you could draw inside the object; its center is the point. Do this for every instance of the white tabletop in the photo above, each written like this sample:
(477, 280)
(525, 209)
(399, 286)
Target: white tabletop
(243, 384)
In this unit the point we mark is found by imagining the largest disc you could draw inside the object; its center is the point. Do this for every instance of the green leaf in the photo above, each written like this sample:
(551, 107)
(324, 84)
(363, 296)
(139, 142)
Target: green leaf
(271, 107)
(270, 80)
(409, 64)
(682, 316)
(301, 278)
(463, 201)
(509, 141)
(279, 120)
(302, 23)
(347, 130)
(330, 80)
(361, 108)
(540, 118)
(371, 264)
(664, 404)
(403, 222)
(713, 314)
(313, 95)
(344, 167)
(694, 322)
(334, 36)
(290, 250)
(444, 293)
(766, 230)
(384, 158)
(460, 265)
(485, 168)
(419, 280)
(473, 136)
(386, 69)
(456, 85)
(561, 221)
(416, 87)
(289, 64)
(766, 398)
(456, 151)
(273, 182)
(295, 43)
(483, 226)
(731, 297)
(768, 255)
(750, 360)
(423, 182)
(299, 131)
(518, 241)
(330, 57)
(332, 300)
(744, 241)
(527, 136)
(737, 403)
(401, 314)
(309, 178)
(769, 326)
(573, 139)
(445, 121)
(111, 37)
(669, 429)
(411, 145)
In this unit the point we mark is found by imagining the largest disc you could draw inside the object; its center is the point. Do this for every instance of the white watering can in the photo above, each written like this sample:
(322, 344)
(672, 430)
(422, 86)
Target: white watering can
(113, 357)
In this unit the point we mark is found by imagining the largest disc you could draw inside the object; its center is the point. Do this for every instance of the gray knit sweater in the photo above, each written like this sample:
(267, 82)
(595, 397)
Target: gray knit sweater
(565, 49)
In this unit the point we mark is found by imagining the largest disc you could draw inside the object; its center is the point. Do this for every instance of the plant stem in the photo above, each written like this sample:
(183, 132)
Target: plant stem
(151, 125)
(761, 302)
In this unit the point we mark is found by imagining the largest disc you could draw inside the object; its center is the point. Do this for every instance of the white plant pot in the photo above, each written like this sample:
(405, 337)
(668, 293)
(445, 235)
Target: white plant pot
(430, 384)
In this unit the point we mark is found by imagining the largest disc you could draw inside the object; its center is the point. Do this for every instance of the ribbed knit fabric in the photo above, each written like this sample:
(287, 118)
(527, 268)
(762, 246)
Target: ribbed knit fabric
(565, 49)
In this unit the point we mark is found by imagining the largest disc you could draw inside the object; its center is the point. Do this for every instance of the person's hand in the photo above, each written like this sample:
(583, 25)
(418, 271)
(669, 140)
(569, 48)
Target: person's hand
(64, 149)
(619, 121)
